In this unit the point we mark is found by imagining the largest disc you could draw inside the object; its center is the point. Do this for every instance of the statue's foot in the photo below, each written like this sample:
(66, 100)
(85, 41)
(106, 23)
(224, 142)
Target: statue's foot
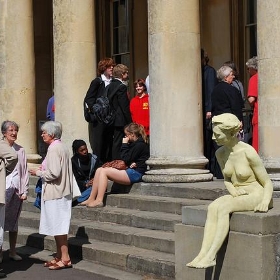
(204, 263)
(191, 264)
(196, 260)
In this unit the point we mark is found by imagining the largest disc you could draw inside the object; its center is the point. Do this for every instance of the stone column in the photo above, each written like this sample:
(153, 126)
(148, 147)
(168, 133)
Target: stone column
(17, 71)
(269, 86)
(175, 93)
(74, 63)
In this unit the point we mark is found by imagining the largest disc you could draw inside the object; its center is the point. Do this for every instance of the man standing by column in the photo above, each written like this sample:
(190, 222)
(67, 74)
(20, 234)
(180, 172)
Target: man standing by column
(209, 81)
(96, 129)
(8, 161)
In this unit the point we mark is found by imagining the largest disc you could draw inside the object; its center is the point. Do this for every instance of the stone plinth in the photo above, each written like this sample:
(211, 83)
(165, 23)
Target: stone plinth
(250, 252)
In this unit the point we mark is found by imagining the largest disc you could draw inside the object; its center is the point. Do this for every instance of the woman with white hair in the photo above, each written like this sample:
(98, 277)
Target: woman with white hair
(16, 188)
(56, 172)
(226, 98)
(252, 67)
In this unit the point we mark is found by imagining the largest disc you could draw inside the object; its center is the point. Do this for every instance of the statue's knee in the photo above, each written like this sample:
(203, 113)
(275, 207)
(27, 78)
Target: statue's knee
(213, 206)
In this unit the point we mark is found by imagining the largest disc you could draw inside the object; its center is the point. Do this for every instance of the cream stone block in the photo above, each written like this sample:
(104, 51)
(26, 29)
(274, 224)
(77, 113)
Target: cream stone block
(267, 28)
(17, 86)
(171, 15)
(74, 64)
(175, 95)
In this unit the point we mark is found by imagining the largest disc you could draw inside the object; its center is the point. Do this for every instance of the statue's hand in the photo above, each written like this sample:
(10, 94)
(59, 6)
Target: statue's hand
(237, 192)
(261, 207)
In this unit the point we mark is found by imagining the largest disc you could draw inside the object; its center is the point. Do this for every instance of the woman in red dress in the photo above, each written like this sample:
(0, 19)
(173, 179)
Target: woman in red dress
(252, 66)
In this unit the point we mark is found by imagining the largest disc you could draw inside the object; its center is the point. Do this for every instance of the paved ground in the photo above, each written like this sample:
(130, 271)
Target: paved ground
(31, 267)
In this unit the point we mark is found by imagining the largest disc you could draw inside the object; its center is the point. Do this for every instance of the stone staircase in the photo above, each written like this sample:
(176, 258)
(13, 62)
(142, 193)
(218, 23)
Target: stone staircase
(132, 237)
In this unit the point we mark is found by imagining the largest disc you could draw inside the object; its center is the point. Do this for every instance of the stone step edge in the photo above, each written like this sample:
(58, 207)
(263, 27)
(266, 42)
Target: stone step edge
(98, 225)
(101, 245)
(127, 258)
(95, 268)
(162, 241)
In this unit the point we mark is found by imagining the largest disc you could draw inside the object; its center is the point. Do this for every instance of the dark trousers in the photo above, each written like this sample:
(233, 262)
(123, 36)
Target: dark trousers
(117, 142)
(210, 148)
(101, 141)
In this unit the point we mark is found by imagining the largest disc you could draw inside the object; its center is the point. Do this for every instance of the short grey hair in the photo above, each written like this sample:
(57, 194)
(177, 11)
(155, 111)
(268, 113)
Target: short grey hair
(53, 128)
(252, 63)
(6, 124)
(223, 72)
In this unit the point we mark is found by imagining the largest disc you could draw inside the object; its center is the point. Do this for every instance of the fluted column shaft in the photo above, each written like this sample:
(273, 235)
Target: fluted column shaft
(269, 86)
(175, 92)
(74, 63)
(17, 71)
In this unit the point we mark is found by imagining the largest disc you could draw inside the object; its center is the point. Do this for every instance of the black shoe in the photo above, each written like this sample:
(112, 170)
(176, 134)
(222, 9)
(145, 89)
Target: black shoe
(3, 275)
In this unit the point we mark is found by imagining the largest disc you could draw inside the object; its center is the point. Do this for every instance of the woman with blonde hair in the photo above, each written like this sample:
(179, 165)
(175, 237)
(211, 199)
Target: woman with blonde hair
(134, 152)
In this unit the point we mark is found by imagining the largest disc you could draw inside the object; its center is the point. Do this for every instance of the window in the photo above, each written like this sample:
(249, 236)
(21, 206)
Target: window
(251, 28)
(120, 32)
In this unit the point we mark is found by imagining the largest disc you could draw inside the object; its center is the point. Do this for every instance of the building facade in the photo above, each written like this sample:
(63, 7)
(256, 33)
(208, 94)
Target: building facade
(53, 46)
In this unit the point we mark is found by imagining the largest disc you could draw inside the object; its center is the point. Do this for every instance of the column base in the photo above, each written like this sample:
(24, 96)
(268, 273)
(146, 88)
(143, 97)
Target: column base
(177, 170)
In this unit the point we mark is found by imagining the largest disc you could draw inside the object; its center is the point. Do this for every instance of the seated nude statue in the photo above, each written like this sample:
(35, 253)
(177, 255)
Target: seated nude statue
(246, 180)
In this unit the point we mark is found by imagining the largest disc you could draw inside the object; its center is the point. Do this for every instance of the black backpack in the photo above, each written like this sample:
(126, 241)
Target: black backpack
(90, 99)
(102, 110)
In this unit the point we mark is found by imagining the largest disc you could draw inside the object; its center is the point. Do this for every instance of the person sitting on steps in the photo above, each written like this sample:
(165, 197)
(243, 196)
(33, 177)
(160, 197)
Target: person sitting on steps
(134, 152)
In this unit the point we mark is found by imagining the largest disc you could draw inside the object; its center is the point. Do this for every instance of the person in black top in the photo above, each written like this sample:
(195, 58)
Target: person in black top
(97, 130)
(134, 152)
(84, 165)
(225, 99)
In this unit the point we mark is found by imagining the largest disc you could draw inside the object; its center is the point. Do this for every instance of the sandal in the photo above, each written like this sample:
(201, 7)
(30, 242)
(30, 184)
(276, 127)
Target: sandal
(61, 265)
(52, 262)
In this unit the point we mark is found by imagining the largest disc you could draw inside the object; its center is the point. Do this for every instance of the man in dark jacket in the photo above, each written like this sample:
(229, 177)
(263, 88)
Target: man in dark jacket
(209, 81)
(117, 94)
(96, 129)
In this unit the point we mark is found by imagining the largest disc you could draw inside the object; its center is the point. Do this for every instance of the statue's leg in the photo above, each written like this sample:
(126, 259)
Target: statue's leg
(227, 205)
(209, 233)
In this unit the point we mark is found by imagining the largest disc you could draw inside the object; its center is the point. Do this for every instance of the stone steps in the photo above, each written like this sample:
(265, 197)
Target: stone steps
(120, 256)
(202, 191)
(162, 241)
(133, 233)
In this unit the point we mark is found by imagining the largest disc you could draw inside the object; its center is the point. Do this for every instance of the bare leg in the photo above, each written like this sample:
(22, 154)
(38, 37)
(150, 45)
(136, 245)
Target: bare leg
(94, 189)
(62, 247)
(119, 176)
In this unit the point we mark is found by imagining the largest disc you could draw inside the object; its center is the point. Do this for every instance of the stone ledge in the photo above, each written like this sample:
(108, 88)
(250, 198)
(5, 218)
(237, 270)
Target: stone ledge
(246, 222)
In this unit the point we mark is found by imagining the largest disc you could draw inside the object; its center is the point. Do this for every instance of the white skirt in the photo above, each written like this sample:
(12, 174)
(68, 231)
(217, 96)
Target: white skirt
(55, 216)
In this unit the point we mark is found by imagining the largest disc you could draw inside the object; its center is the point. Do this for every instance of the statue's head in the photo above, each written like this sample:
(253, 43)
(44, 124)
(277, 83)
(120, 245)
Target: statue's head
(225, 126)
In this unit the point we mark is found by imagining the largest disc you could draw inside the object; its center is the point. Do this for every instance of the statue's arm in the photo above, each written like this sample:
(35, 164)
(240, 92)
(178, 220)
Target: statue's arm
(263, 179)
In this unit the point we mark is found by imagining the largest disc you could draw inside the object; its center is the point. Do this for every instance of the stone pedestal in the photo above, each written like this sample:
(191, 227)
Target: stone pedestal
(175, 93)
(17, 76)
(250, 252)
(74, 63)
(269, 85)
